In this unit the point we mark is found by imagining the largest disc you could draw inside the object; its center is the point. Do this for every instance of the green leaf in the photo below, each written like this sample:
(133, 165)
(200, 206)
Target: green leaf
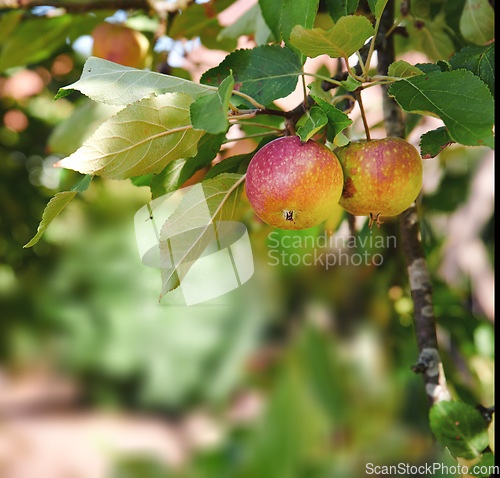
(271, 11)
(377, 7)
(70, 134)
(195, 224)
(291, 430)
(56, 205)
(341, 8)
(115, 84)
(144, 180)
(433, 142)
(458, 97)
(337, 120)
(180, 170)
(477, 23)
(233, 164)
(428, 67)
(486, 463)
(8, 22)
(297, 12)
(433, 38)
(345, 38)
(250, 22)
(478, 59)
(141, 139)
(460, 427)
(351, 84)
(265, 73)
(34, 40)
(209, 113)
(316, 119)
(403, 69)
(200, 21)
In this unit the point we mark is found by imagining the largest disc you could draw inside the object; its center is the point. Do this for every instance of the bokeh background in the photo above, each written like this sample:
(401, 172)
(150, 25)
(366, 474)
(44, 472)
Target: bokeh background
(301, 372)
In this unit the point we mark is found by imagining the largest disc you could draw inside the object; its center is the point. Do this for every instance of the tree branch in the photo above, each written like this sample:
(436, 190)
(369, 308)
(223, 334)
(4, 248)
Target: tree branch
(91, 5)
(429, 362)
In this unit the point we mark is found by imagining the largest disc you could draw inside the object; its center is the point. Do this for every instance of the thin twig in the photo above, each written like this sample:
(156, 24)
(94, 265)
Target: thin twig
(363, 115)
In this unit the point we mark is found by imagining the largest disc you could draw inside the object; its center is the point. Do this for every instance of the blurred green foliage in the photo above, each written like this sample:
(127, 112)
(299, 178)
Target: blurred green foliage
(338, 389)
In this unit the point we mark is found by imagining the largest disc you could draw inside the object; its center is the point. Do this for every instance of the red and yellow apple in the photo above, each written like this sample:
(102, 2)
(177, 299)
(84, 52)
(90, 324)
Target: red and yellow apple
(292, 184)
(120, 44)
(382, 177)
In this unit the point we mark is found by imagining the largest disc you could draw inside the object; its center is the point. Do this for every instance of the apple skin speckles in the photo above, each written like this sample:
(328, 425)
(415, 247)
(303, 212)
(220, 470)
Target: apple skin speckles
(294, 185)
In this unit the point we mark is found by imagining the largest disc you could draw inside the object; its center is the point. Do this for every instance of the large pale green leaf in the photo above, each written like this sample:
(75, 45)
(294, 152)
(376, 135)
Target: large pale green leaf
(55, 206)
(458, 97)
(34, 40)
(70, 134)
(346, 37)
(115, 84)
(180, 170)
(209, 113)
(196, 224)
(478, 59)
(297, 12)
(265, 73)
(460, 427)
(477, 23)
(141, 139)
(341, 8)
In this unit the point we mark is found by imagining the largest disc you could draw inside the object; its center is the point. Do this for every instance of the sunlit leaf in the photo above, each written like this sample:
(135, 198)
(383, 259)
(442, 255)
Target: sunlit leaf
(141, 139)
(55, 206)
(403, 69)
(316, 119)
(195, 224)
(179, 171)
(70, 134)
(115, 84)
(347, 36)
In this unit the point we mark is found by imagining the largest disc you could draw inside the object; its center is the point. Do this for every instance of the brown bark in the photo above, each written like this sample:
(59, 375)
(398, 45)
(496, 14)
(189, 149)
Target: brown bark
(429, 361)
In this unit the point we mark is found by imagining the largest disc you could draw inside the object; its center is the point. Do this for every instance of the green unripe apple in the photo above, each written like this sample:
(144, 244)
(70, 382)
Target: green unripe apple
(382, 177)
(120, 44)
(294, 185)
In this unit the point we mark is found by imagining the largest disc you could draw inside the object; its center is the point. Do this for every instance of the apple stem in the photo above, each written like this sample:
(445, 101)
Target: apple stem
(363, 116)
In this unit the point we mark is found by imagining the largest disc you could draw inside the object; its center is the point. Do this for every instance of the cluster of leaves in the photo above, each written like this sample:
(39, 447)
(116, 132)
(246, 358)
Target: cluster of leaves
(167, 127)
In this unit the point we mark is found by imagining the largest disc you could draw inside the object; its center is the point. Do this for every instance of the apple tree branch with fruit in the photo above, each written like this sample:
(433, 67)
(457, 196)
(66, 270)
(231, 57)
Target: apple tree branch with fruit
(165, 128)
